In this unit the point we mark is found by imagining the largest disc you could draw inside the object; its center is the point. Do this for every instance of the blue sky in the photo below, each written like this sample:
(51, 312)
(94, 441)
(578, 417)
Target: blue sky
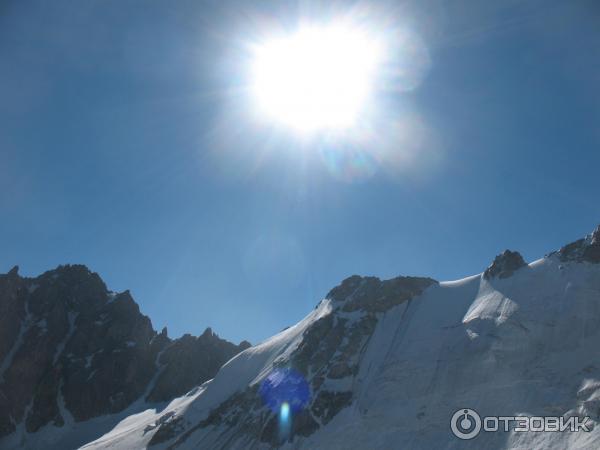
(123, 146)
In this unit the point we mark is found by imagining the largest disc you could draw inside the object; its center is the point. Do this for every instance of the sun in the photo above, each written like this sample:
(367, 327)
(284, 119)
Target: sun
(319, 77)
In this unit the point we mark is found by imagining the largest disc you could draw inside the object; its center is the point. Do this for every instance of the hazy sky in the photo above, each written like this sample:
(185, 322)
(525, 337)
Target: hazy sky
(126, 145)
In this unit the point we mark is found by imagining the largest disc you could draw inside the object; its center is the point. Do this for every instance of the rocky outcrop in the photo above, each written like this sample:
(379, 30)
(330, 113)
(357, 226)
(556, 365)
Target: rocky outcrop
(583, 250)
(182, 370)
(70, 349)
(504, 265)
(372, 294)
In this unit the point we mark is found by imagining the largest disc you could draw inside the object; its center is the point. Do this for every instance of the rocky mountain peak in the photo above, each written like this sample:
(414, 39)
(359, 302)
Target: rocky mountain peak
(596, 235)
(244, 345)
(375, 295)
(208, 333)
(70, 349)
(583, 250)
(504, 265)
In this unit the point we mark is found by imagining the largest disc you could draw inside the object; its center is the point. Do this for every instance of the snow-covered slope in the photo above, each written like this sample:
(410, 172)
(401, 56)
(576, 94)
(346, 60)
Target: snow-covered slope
(387, 363)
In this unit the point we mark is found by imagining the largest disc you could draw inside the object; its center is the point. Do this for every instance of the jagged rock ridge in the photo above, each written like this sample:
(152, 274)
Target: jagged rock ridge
(504, 265)
(583, 250)
(71, 350)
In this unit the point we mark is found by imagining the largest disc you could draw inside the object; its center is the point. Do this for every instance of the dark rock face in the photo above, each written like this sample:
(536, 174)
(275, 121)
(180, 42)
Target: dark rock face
(583, 250)
(328, 358)
(169, 426)
(180, 360)
(372, 294)
(71, 350)
(504, 265)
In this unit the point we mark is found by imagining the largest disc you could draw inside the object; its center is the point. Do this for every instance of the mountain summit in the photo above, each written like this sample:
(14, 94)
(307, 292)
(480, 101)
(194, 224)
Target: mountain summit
(71, 351)
(382, 364)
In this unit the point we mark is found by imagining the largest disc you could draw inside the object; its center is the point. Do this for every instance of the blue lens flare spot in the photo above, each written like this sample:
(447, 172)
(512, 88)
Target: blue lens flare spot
(285, 392)
(285, 421)
(284, 414)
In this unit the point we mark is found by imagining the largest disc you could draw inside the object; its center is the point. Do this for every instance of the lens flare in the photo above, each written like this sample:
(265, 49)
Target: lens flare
(284, 414)
(285, 387)
(330, 86)
(285, 423)
(286, 392)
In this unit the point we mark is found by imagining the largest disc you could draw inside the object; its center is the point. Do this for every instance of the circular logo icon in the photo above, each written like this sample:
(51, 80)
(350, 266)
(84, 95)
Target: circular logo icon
(465, 424)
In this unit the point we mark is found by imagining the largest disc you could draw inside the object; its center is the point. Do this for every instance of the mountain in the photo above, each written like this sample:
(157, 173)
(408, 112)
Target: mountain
(387, 364)
(75, 358)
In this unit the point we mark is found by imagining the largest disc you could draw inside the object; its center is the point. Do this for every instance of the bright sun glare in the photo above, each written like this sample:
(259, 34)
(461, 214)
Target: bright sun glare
(318, 78)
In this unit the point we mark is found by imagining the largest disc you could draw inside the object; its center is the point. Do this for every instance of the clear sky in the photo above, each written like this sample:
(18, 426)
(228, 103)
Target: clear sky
(126, 145)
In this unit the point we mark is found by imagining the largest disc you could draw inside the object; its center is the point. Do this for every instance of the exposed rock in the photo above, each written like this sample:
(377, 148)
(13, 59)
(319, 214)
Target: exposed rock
(328, 404)
(66, 339)
(372, 294)
(169, 426)
(12, 313)
(504, 265)
(244, 345)
(583, 250)
(190, 361)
